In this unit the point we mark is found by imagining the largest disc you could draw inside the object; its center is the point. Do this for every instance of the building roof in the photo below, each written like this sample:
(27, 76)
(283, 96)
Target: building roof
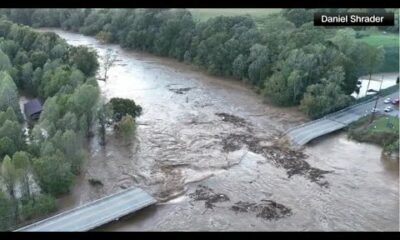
(32, 107)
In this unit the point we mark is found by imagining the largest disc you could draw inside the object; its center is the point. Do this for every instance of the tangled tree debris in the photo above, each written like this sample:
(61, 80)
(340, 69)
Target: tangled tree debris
(179, 90)
(267, 209)
(292, 161)
(204, 193)
(235, 120)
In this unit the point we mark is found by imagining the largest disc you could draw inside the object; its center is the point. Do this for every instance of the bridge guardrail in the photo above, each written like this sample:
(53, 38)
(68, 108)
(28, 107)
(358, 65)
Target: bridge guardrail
(335, 113)
(75, 209)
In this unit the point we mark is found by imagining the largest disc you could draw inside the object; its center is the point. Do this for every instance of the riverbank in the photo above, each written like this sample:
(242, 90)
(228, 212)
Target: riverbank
(382, 130)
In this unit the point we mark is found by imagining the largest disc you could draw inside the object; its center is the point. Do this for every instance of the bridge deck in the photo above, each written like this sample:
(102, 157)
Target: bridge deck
(303, 134)
(96, 213)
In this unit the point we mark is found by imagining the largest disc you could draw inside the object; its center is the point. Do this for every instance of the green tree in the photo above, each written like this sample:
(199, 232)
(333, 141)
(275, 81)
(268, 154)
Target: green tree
(68, 122)
(10, 48)
(122, 107)
(373, 58)
(109, 60)
(84, 101)
(9, 176)
(291, 77)
(9, 94)
(5, 63)
(38, 59)
(53, 173)
(260, 65)
(84, 59)
(126, 127)
(104, 117)
(7, 146)
(327, 96)
(51, 110)
(8, 115)
(12, 130)
(22, 163)
(58, 51)
(104, 37)
(21, 58)
(7, 215)
(71, 146)
(43, 204)
(298, 16)
(26, 76)
(240, 67)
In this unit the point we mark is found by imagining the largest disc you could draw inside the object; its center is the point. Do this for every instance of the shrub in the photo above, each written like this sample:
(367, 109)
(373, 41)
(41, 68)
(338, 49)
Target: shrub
(41, 205)
(122, 107)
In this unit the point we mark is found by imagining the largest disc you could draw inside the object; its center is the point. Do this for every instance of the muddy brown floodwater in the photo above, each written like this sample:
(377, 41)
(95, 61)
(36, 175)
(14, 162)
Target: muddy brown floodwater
(210, 151)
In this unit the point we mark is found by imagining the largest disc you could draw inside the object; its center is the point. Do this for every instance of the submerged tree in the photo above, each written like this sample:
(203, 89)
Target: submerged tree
(7, 219)
(122, 107)
(22, 165)
(126, 128)
(9, 176)
(104, 116)
(109, 60)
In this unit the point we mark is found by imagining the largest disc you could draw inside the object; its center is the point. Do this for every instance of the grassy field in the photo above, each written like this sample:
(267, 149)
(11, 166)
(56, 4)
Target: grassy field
(390, 42)
(378, 132)
(381, 124)
(203, 14)
(381, 39)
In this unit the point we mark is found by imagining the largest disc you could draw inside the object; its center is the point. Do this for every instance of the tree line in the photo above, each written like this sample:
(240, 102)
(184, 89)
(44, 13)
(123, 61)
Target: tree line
(41, 164)
(38, 166)
(287, 59)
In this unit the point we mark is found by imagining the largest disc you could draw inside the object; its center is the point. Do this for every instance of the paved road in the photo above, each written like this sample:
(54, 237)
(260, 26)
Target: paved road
(303, 134)
(96, 213)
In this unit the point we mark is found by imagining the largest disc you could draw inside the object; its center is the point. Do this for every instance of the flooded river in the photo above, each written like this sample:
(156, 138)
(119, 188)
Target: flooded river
(209, 150)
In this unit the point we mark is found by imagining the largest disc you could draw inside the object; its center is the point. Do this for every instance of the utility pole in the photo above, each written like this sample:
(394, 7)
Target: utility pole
(376, 102)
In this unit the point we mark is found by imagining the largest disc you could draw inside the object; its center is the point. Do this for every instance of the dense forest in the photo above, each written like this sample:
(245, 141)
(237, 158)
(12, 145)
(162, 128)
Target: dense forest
(288, 60)
(39, 165)
(44, 66)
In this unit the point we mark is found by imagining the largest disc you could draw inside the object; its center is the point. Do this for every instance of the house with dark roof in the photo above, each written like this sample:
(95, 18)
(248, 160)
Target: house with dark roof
(32, 110)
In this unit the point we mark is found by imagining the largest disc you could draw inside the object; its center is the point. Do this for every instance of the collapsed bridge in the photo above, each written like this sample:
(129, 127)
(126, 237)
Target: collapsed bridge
(94, 214)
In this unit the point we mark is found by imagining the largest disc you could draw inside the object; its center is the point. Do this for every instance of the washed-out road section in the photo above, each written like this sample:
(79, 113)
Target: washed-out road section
(94, 214)
(304, 133)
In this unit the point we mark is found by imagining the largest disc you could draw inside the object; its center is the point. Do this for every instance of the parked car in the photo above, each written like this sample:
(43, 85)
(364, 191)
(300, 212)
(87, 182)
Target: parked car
(388, 109)
(374, 110)
(395, 101)
(387, 100)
